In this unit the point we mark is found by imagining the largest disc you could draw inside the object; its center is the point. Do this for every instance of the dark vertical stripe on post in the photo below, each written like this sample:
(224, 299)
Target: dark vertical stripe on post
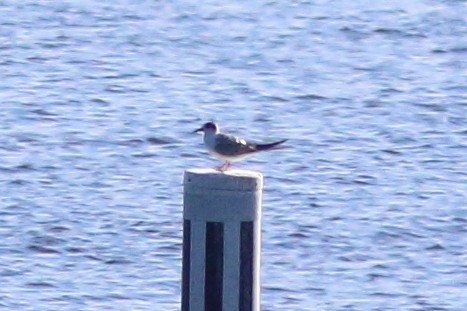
(214, 266)
(246, 266)
(186, 265)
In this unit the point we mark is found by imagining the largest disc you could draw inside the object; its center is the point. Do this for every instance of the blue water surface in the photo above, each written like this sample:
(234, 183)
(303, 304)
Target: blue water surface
(365, 210)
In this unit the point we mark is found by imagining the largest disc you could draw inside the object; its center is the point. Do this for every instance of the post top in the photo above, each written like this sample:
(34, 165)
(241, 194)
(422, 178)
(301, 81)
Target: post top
(231, 180)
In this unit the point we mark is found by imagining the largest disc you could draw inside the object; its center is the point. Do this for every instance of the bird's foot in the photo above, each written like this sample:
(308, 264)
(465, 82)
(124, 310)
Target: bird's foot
(224, 166)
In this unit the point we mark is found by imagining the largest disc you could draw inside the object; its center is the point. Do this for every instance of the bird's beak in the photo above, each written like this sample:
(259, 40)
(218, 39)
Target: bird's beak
(198, 130)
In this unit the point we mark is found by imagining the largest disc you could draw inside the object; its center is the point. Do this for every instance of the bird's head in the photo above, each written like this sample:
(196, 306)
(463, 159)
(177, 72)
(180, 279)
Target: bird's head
(209, 127)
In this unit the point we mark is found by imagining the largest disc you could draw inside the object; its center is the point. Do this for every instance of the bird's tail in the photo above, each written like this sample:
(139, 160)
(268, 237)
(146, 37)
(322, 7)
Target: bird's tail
(262, 147)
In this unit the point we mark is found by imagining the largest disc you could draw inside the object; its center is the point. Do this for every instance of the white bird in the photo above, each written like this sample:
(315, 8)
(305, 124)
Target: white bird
(230, 148)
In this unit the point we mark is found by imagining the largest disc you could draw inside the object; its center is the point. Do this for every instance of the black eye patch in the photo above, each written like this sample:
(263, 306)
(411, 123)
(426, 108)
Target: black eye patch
(209, 125)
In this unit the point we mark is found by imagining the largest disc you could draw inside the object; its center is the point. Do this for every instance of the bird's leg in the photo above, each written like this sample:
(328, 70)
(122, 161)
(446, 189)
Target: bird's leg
(224, 166)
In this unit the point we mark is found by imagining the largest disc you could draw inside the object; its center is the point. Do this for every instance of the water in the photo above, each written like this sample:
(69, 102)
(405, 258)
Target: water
(366, 210)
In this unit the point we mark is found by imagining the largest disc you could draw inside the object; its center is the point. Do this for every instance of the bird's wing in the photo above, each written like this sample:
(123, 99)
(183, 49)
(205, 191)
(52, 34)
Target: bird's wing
(230, 145)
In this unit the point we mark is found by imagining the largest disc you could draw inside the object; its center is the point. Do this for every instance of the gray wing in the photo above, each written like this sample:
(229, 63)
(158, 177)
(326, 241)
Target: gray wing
(230, 145)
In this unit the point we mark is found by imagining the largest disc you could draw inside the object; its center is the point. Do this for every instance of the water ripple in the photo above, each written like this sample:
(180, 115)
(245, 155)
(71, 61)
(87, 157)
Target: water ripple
(365, 209)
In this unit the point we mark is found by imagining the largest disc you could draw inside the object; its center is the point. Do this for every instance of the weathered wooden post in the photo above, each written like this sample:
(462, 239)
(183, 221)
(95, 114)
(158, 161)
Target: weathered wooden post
(221, 240)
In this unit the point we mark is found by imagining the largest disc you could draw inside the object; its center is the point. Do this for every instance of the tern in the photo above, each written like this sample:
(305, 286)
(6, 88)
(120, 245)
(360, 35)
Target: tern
(230, 148)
